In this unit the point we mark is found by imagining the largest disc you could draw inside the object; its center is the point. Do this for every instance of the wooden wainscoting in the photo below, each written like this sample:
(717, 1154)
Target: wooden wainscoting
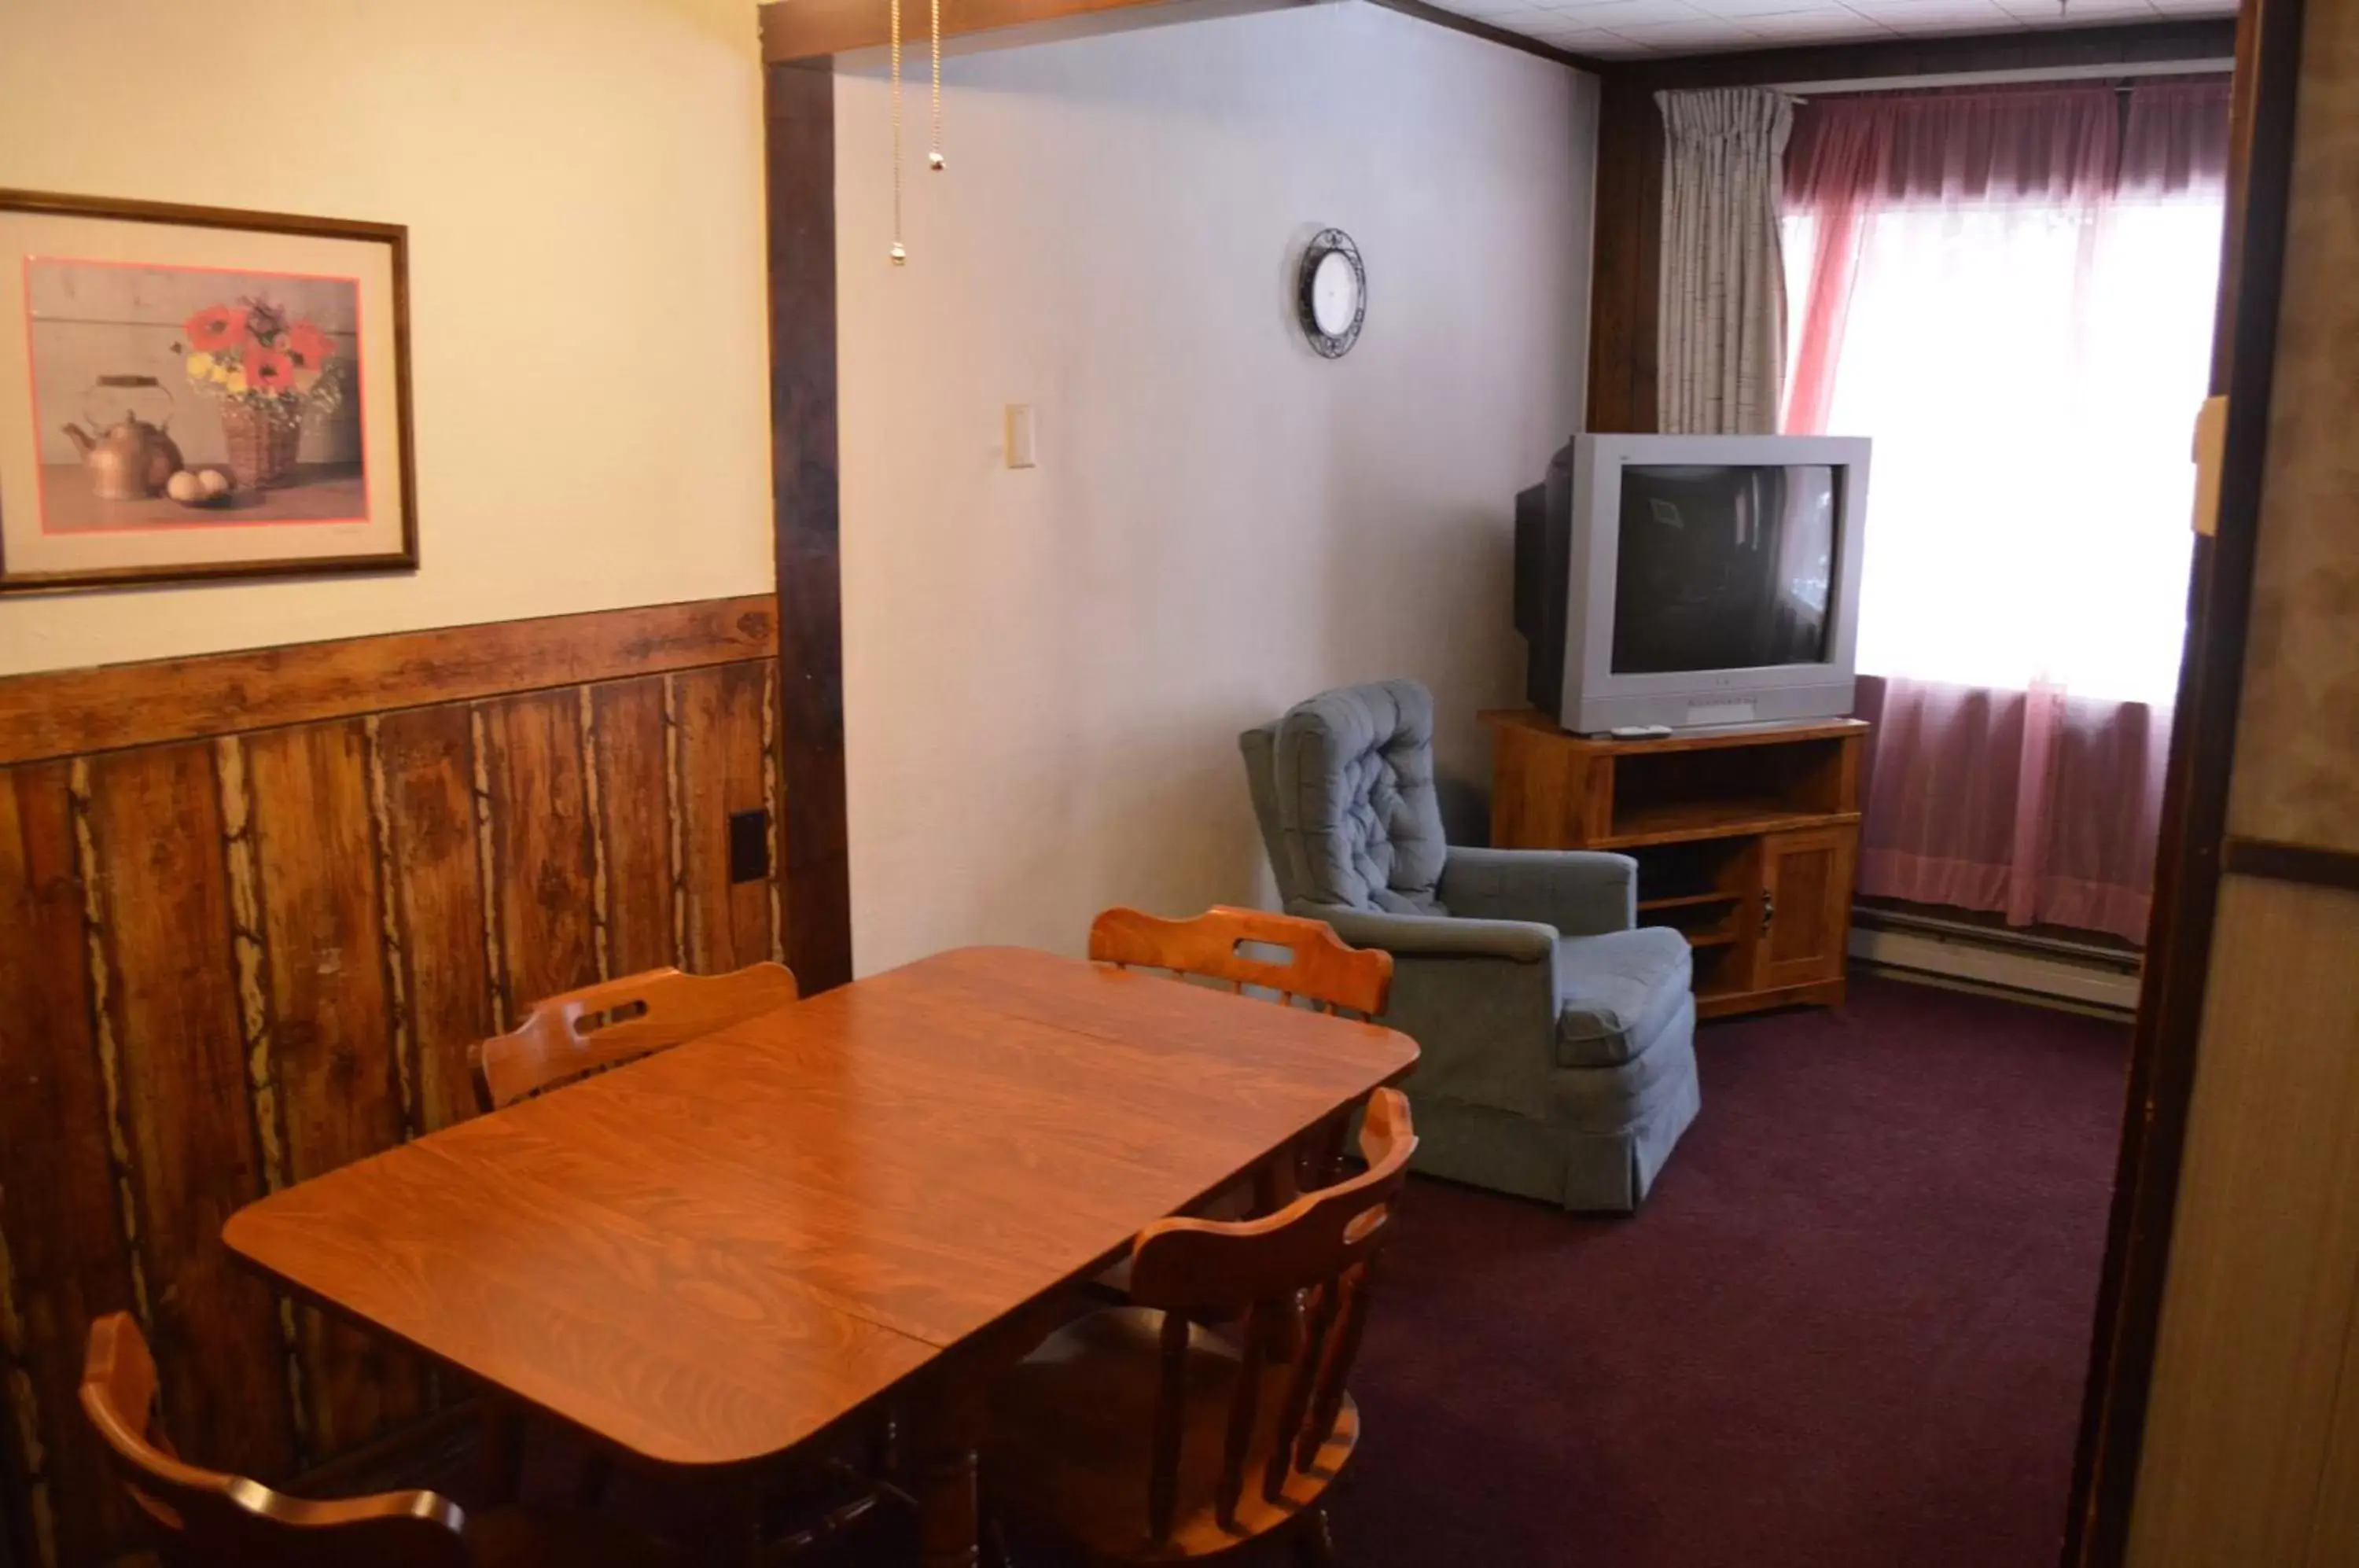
(254, 908)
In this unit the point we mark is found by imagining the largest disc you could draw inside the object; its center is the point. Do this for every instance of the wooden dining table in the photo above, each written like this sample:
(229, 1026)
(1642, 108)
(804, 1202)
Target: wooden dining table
(709, 1258)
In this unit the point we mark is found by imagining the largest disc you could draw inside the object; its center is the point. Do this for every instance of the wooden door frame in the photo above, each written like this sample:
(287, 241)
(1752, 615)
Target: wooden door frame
(2195, 845)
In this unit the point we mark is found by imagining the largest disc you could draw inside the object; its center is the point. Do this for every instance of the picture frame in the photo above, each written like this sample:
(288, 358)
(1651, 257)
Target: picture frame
(197, 393)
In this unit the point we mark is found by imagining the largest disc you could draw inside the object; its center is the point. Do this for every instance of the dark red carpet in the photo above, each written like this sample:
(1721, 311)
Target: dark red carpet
(1848, 1330)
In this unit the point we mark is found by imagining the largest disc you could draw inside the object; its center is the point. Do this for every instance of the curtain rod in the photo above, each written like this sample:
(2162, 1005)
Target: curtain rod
(2023, 74)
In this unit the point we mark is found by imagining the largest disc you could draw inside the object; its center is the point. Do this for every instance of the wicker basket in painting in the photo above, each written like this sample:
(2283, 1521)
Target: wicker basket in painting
(261, 449)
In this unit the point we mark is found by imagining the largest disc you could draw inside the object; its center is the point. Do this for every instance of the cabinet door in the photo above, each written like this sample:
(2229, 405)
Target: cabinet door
(1806, 879)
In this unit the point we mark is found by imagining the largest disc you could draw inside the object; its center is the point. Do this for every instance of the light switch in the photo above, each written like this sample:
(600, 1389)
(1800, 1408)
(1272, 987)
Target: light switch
(1020, 452)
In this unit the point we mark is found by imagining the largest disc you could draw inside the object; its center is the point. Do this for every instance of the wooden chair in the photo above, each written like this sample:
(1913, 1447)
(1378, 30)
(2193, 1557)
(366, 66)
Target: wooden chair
(1317, 967)
(203, 1519)
(1144, 1435)
(576, 1033)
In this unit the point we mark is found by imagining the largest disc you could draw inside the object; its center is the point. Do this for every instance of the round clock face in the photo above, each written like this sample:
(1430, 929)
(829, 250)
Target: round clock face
(1332, 293)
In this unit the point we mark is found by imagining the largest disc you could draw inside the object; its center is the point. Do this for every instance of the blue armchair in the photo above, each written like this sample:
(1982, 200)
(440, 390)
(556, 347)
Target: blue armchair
(1558, 1037)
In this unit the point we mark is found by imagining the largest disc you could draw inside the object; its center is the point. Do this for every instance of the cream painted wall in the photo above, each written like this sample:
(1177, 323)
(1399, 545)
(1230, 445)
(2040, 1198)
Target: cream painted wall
(1045, 670)
(581, 180)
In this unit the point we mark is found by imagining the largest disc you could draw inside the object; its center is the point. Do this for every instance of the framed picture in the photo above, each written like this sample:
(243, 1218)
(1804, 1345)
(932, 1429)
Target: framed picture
(192, 392)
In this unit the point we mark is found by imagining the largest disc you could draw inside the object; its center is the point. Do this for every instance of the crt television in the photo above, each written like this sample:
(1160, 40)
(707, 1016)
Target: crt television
(1693, 581)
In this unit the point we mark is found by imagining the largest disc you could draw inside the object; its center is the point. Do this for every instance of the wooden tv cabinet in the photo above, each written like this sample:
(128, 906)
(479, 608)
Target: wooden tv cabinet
(1747, 839)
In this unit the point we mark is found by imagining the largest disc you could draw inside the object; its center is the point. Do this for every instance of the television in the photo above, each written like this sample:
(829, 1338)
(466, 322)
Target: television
(1693, 581)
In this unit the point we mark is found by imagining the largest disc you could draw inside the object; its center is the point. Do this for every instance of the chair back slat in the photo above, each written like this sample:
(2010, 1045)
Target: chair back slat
(575, 1033)
(1301, 1385)
(1335, 1365)
(203, 1517)
(1245, 1409)
(1317, 966)
(1171, 1416)
(1260, 1269)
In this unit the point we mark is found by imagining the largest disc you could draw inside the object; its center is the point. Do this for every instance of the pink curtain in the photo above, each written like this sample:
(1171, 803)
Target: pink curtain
(2035, 804)
(2028, 801)
(1850, 157)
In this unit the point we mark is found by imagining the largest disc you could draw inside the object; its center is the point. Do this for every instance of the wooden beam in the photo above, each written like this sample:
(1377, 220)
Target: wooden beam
(815, 29)
(2037, 49)
(69, 712)
(799, 155)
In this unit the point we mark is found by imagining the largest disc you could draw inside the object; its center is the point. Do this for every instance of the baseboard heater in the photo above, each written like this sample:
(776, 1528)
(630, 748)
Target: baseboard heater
(2036, 968)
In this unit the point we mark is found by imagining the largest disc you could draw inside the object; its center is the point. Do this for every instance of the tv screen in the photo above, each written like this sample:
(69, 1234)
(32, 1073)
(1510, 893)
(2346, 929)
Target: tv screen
(1723, 566)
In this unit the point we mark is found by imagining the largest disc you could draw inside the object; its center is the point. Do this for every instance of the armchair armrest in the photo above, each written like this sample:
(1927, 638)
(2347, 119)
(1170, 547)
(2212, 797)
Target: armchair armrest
(1579, 892)
(1436, 936)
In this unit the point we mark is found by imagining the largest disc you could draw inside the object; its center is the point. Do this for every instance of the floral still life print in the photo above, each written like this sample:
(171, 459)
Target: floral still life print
(190, 392)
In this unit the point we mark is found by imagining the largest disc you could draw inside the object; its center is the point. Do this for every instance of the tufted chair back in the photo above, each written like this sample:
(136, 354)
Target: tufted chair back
(1343, 787)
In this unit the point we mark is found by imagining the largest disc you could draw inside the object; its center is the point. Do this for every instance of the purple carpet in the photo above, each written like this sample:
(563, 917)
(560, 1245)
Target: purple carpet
(1849, 1327)
(1847, 1331)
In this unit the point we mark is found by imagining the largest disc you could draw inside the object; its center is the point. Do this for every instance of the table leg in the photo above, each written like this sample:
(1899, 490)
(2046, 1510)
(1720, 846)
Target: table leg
(950, 1530)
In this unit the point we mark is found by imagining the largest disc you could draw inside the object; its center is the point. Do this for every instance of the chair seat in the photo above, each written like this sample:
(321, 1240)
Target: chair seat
(523, 1538)
(1072, 1429)
(1617, 991)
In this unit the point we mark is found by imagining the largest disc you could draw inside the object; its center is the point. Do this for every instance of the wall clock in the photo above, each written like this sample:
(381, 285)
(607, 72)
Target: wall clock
(1332, 293)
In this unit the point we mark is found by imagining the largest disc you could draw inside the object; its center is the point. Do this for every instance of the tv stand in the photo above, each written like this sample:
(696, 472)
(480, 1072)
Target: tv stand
(1746, 838)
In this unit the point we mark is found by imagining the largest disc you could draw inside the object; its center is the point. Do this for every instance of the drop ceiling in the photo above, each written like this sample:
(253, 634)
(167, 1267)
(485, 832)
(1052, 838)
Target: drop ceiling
(1628, 30)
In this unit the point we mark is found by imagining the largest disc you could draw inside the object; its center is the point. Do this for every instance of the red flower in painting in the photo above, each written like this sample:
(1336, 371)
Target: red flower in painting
(214, 328)
(268, 370)
(309, 345)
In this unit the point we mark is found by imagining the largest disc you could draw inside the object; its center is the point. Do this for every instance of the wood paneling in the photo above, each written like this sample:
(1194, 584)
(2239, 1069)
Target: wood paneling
(196, 1118)
(723, 771)
(60, 712)
(637, 808)
(798, 102)
(241, 959)
(532, 797)
(63, 1259)
(1625, 271)
(439, 967)
(326, 1027)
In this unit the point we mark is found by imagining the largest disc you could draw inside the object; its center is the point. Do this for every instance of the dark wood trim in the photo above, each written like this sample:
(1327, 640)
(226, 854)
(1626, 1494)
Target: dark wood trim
(71, 711)
(2043, 48)
(1625, 263)
(2302, 862)
(2195, 810)
(795, 30)
(800, 118)
(396, 237)
(1500, 36)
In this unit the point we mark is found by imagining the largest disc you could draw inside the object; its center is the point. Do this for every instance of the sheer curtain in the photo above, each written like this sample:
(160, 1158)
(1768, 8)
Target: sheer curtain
(2012, 291)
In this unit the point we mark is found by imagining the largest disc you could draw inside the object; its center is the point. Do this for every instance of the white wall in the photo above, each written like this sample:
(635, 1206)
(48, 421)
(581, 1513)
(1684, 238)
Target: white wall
(581, 180)
(1045, 670)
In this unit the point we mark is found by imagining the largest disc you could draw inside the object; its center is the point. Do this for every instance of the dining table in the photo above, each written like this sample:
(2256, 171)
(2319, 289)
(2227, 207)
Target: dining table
(876, 1197)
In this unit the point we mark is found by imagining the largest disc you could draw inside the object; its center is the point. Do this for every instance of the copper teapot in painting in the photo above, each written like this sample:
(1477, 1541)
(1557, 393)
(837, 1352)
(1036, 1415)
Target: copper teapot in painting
(130, 458)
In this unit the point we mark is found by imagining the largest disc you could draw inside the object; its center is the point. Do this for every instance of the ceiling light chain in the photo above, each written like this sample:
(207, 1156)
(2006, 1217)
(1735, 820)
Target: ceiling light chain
(934, 157)
(899, 251)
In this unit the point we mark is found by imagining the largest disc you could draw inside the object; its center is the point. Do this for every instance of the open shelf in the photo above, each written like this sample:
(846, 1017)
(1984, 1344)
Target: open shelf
(1676, 821)
(1710, 938)
(1687, 900)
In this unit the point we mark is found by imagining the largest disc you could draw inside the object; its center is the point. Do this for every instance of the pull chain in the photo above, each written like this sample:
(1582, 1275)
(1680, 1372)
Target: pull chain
(899, 253)
(934, 157)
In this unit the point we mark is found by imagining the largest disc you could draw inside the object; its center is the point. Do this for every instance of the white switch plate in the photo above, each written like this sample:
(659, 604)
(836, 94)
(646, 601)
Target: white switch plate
(1020, 450)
